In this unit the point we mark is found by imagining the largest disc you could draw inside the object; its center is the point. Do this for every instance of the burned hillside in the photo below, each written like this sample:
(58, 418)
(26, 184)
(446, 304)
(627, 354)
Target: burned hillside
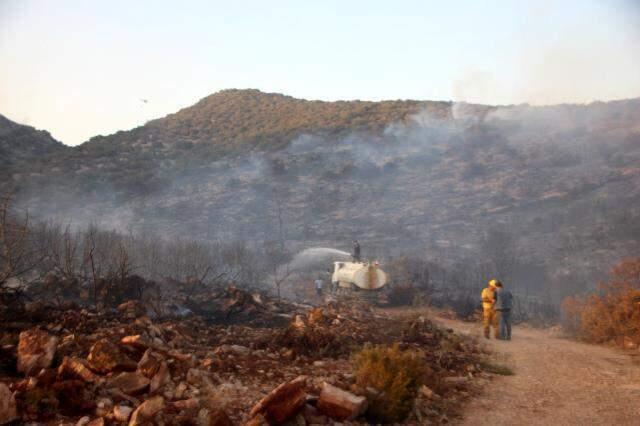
(433, 178)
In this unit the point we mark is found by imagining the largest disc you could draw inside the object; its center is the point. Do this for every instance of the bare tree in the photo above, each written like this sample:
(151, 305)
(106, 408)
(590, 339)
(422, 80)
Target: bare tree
(19, 254)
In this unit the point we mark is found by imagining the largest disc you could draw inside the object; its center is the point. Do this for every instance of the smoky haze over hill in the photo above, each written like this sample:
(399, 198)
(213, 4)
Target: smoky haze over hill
(434, 179)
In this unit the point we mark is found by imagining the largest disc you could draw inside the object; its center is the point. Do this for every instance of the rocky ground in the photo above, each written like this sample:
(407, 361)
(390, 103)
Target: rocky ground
(247, 360)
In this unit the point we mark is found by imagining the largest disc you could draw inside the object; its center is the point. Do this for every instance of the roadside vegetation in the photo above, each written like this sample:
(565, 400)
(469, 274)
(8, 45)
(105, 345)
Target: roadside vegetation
(611, 314)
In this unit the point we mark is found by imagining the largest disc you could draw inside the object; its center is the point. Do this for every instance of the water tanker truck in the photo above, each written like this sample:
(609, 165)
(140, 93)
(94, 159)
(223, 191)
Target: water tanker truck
(358, 280)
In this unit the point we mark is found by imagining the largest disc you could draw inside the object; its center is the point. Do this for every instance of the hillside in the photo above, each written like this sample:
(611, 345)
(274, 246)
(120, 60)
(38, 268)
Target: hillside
(20, 144)
(432, 178)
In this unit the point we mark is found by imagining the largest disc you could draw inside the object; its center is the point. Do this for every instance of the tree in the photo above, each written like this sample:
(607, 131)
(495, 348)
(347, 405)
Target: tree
(19, 253)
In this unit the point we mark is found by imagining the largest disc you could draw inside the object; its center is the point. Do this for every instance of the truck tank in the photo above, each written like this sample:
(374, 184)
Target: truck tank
(358, 279)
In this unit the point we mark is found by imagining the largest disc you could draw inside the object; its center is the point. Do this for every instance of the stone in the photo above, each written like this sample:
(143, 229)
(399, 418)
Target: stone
(146, 411)
(215, 417)
(138, 341)
(199, 378)
(240, 350)
(36, 349)
(103, 407)
(149, 363)
(312, 416)
(283, 402)
(8, 407)
(83, 421)
(186, 404)
(105, 357)
(132, 309)
(161, 378)
(122, 413)
(130, 383)
(340, 404)
(426, 392)
(76, 368)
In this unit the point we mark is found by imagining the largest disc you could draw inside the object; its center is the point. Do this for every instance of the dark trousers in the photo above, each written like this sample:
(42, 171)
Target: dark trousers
(505, 323)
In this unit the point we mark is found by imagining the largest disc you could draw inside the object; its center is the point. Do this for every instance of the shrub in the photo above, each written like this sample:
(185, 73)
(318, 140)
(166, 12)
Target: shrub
(395, 375)
(612, 313)
(402, 294)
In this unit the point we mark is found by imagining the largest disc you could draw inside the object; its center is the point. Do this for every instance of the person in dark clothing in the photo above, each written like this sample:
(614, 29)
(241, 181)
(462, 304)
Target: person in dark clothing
(503, 305)
(356, 251)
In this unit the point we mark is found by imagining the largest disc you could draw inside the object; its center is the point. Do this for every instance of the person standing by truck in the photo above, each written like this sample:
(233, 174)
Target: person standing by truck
(319, 282)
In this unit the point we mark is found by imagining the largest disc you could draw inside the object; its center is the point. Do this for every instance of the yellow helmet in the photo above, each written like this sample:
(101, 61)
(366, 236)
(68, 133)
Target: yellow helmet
(493, 283)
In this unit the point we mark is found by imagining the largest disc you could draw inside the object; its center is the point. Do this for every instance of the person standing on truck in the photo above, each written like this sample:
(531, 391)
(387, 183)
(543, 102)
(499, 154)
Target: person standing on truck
(489, 317)
(503, 305)
(356, 251)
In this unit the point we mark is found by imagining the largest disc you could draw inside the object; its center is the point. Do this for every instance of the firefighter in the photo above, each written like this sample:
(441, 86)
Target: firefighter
(489, 317)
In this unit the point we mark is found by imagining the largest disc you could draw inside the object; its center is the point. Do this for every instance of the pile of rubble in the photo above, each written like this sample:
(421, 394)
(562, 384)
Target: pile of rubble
(81, 367)
(233, 305)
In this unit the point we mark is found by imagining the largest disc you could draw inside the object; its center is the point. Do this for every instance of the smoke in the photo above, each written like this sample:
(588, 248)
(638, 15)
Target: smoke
(446, 174)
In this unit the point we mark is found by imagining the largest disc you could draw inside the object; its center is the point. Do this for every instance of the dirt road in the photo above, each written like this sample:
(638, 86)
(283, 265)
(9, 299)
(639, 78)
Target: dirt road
(556, 382)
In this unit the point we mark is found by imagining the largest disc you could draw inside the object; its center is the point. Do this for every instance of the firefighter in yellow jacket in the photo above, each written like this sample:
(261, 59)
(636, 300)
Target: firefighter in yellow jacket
(489, 316)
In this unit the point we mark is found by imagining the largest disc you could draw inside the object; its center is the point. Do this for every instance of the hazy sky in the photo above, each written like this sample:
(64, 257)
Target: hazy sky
(81, 68)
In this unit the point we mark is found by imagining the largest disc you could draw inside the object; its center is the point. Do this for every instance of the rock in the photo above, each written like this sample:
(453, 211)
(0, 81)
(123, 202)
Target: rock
(105, 357)
(340, 404)
(161, 378)
(426, 392)
(84, 421)
(36, 350)
(8, 408)
(76, 368)
(130, 383)
(312, 416)
(240, 350)
(149, 363)
(138, 341)
(186, 404)
(199, 378)
(283, 402)
(103, 407)
(122, 413)
(132, 309)
(180, 390)
(146, 411)
(214, 417)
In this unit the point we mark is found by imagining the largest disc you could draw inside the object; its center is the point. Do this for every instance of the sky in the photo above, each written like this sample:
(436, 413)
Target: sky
(83, 68)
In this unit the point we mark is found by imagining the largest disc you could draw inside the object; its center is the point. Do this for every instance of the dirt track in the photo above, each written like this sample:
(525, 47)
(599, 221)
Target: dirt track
(556, 382)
